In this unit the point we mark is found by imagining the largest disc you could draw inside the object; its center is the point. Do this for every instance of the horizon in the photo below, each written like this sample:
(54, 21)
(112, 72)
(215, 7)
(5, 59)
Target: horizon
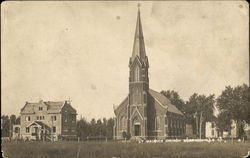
(55, 52)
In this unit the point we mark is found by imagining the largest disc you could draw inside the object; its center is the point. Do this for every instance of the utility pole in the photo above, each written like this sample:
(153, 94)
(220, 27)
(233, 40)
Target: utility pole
(43, 132)
(10, 129)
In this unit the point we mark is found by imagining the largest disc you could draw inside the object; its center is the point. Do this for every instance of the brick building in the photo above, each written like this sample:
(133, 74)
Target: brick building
(144, 112)
(47, 120)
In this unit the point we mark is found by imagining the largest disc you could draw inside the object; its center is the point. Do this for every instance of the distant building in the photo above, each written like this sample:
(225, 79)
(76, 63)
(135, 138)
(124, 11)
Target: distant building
(233, 132)
(47, 121)
(144, 112)
(211, 131)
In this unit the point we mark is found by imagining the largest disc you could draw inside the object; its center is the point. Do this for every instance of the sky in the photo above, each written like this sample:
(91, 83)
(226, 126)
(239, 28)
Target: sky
(54, 51)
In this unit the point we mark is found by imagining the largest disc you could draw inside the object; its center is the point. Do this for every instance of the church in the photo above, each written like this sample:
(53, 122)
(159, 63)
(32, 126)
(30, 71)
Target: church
(145, 113)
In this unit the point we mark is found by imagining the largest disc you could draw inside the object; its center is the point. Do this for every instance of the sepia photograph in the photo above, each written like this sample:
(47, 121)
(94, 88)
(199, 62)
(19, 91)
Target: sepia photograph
(125, 79)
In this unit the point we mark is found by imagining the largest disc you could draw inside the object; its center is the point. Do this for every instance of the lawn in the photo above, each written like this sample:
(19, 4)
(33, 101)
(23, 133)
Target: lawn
(123, 150)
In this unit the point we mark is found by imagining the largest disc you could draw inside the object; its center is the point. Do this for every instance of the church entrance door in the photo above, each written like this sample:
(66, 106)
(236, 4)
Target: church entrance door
(137, 130)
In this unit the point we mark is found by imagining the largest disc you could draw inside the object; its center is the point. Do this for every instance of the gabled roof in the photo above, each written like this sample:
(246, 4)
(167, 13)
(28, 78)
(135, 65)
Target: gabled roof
(124, 102)
(40, 123)
(163, 101)
(54, 107)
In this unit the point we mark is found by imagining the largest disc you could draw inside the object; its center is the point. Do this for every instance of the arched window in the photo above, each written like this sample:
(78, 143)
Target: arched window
(136, 74)
(123, 123)
(136, 97)
(139, 98)
(157, 123)
(145, 97)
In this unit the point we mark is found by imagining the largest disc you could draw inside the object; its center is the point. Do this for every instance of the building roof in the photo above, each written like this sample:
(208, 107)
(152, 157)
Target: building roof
(124, 102)
(40, 123)
(52, 107)
(164, 101)
(160, 98)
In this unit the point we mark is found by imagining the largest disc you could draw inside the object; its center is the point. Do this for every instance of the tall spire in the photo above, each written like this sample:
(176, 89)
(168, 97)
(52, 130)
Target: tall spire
(139, 47)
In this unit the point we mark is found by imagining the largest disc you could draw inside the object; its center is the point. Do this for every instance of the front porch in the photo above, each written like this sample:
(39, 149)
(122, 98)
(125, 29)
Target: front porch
(38, 130)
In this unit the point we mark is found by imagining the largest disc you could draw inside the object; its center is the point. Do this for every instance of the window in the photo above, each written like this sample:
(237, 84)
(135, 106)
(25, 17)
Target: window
(17, 130)
(169, 122)
(27, 118)
(53, 118)
(65, 130)
(54, 129)
(136, 74)
(145, 97)
(73, 118)
(157, 123)
(27, 129)
(166, 121)
(40, 117)
(166, 130)
(212, 132)
(212, 125)
(40, 108)
(123, 123)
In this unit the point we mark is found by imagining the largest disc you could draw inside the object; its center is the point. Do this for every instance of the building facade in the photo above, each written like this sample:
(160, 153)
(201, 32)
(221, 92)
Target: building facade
(213, 132)
(144, 112)
(47, 121)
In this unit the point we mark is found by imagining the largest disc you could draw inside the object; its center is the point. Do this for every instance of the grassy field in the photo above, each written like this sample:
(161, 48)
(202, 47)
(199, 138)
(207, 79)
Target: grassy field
(123, 150)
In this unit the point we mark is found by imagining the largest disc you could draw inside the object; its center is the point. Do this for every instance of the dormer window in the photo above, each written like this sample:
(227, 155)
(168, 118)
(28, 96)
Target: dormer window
(40, 108)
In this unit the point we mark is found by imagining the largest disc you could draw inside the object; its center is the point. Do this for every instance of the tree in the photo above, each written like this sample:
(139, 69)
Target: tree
(5, 125)
(235, 103)
(82, 129)
(175, 99)
(18, 120)
(110, 125)
(13, 119)
(223, 122)
(99, 128)
(200, 108)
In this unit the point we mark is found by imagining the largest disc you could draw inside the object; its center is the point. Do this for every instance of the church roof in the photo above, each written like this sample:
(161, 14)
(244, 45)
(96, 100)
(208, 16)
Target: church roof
(164, 101)
(139, 47)
(124, 102)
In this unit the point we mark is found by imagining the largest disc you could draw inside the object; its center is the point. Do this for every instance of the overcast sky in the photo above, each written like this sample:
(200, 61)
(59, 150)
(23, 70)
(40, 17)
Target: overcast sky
(53, 51)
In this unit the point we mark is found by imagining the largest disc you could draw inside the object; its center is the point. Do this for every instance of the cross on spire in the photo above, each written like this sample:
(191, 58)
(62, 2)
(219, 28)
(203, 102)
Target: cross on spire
(69, 100)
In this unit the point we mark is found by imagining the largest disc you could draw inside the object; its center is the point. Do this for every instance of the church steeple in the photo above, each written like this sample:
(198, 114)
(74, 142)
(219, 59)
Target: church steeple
(138, 68)
(139, 47)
